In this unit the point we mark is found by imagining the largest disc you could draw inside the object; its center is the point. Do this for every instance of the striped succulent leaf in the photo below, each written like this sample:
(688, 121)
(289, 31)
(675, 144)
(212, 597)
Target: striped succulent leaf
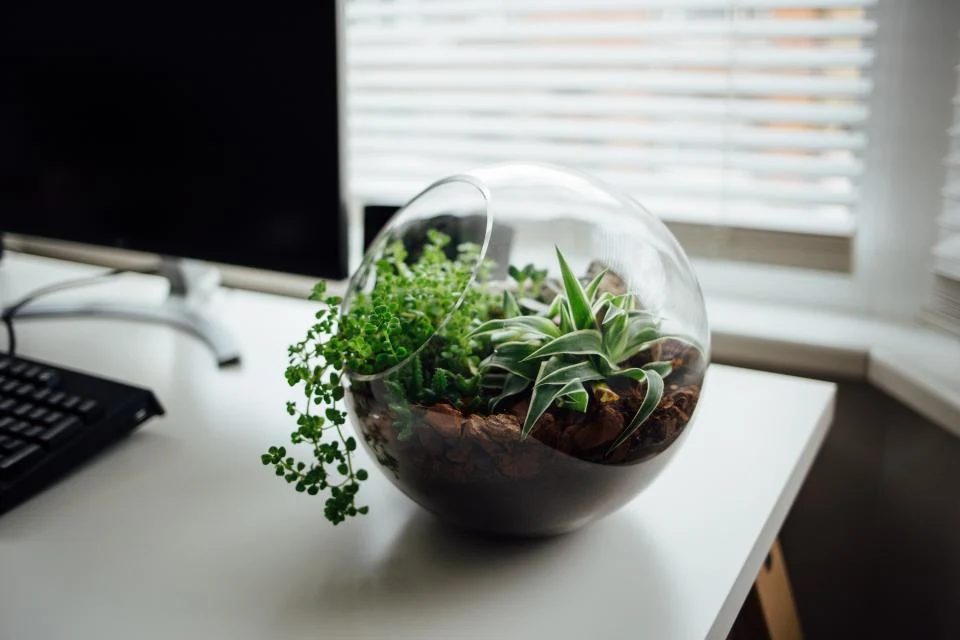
(585, 337)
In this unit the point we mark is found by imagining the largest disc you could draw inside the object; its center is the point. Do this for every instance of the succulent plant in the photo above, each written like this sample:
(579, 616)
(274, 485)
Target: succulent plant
(582, 341)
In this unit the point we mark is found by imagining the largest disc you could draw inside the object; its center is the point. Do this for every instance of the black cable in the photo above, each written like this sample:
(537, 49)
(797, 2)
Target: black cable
(11, 336)
(12, 310)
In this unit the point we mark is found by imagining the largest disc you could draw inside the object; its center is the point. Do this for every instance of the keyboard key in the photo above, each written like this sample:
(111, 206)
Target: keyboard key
(88, 410)
(8, 444)
(32, 372)
(9, 386)
(70, 402)
(18, 368)
(52, 417)
(18, 427)
(33, 431)
(5, 364)
(22, 409)
(37, 414)
(7, 405)
(41, 394)
(5, 422)
(59, 432)
(12, 463)
(48, 378)
(24, 390)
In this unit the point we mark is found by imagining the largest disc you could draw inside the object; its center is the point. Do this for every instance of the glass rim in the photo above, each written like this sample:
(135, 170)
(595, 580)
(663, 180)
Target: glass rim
(486, 197)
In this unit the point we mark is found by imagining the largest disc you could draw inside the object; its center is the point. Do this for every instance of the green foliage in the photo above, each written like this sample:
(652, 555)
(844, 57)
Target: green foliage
(407, 306)
(419, 298)
(316, 362)
(529, 274)
(384, 327)
(584, 337)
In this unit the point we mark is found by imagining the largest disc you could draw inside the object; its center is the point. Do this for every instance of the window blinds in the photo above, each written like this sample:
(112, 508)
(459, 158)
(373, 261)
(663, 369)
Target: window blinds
(944, 307)
(717, 112)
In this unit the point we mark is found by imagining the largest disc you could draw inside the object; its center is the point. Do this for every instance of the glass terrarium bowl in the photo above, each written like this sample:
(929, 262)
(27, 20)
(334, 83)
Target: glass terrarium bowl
(536, 403)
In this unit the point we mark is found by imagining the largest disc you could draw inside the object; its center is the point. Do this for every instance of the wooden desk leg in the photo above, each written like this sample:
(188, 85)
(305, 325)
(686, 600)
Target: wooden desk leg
(769, 611)
(776, 598)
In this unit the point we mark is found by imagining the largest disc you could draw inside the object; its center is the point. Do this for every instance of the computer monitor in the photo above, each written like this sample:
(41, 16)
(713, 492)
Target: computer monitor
(206, 130)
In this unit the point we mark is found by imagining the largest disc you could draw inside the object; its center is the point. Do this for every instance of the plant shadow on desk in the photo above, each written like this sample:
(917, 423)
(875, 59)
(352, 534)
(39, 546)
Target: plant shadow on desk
(432, 562)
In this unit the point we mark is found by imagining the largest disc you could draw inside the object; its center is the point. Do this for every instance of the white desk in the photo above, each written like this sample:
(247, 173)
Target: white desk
(180, 533)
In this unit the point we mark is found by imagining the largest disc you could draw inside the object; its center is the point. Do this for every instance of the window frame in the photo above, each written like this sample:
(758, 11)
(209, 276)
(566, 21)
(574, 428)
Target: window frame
(914, 80)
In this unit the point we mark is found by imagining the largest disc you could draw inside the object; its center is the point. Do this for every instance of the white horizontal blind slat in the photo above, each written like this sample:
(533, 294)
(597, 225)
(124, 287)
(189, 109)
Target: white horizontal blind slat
(691, 184)
(603, 57)
(725, 112)
(503, 30)
(368, 149)
(442, 8)
(947, 253)
(687, 133)
(516, 102)
(949, 223)
(684, 82)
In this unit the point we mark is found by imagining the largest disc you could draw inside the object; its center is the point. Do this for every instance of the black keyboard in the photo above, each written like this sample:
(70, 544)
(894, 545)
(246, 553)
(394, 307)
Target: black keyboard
(53, 419)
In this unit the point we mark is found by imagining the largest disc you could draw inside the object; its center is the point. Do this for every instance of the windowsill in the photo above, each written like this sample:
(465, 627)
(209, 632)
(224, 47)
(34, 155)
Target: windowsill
(914, 363)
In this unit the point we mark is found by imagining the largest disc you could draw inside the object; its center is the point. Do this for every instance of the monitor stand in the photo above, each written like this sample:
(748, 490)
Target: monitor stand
(191, 285)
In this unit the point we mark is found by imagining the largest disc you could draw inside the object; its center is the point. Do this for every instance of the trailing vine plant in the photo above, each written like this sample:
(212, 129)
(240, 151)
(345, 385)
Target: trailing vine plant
(382, 328)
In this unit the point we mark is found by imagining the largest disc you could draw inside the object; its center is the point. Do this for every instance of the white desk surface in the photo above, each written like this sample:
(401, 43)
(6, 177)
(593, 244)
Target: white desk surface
(179, 532)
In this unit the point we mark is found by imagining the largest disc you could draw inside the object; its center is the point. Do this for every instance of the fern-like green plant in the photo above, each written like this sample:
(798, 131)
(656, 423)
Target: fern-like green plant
(584, 339)
(411, 313)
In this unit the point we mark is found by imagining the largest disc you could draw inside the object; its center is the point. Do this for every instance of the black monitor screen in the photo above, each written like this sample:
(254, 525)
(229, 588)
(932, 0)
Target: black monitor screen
(206, 130)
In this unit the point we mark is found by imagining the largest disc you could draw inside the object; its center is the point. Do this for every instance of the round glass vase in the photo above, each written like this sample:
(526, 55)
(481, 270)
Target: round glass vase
(496, 445)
